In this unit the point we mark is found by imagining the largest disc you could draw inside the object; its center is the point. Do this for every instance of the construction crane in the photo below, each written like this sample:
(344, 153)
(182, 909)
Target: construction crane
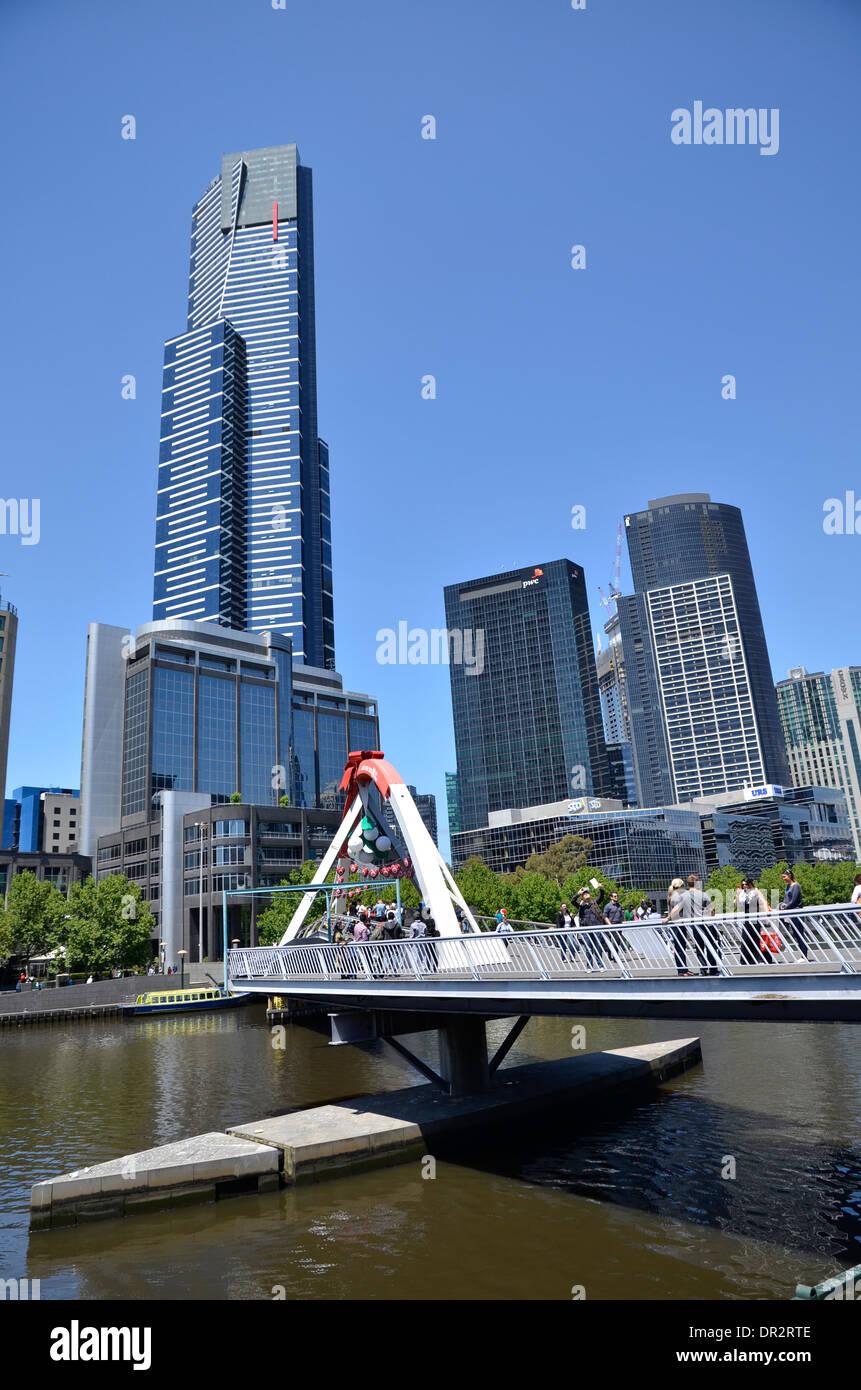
(615, 591)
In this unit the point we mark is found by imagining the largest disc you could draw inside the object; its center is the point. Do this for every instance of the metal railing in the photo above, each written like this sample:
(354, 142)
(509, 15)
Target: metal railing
(827, 938)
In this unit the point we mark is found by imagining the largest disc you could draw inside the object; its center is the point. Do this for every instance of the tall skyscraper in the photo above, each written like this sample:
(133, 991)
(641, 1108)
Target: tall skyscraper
(243, 533)
(615, 714)
(527, 717)
(452, 797)
(8, 640)
(821, 719)
(704, 717)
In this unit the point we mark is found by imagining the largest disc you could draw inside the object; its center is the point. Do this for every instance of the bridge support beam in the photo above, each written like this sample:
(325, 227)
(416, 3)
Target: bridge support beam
(463, 1055)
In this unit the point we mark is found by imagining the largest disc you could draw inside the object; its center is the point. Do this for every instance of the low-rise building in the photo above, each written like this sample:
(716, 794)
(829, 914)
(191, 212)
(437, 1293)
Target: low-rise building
(637, 847)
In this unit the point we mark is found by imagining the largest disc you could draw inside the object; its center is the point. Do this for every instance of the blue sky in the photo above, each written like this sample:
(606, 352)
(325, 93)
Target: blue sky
(451, 257)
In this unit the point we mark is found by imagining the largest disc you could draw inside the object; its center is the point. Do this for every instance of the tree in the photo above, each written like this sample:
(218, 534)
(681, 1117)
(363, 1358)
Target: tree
(272, 924)
(724, 881)
(106, 925)
(483, 890)
(31, 917)
(235, 798)
(284, 801)
(561, 860)
(536, 898)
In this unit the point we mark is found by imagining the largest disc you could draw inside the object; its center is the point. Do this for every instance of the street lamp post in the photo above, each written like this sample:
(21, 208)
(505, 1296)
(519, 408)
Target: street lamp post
(182, 955)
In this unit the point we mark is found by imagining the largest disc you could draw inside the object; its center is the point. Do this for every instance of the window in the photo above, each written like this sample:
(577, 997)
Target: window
(56, 824)
(55, 837)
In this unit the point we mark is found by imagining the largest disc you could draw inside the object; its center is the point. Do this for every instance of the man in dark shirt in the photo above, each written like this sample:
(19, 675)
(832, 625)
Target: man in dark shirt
(793, 902)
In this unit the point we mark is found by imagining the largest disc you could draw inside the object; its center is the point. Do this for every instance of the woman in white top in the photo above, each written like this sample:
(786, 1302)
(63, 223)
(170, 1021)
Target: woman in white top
(751, 901)
(856, 891)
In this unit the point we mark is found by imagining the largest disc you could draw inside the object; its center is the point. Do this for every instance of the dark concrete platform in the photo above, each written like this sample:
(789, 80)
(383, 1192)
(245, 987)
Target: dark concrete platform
(398, 1126)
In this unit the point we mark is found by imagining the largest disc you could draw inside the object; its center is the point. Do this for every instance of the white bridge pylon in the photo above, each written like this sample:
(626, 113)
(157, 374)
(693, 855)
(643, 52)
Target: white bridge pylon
(366, 771)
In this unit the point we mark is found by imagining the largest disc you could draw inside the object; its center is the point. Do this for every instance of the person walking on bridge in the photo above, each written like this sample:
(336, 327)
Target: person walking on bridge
(793, 902)
(565, 922)
(696, 906)
(751, 902)
(589, 917)
(677, 929)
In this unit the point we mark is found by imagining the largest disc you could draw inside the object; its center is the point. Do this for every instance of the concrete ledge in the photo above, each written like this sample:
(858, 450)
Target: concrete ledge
(349, 1137)
(197, 1169)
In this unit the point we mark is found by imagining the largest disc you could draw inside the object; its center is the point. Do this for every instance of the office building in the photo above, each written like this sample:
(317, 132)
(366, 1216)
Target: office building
(527, 716)
(60, 867)
(243, 534)
(42, 819)
(8, 641)
(806, 825)
(638, 848)
(182, 716)
(821, 718)
(703, 715)
(196, 708)
(452, 803)
(186, 855)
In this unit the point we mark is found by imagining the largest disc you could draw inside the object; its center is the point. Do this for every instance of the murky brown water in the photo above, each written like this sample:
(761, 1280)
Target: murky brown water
(627, 1201)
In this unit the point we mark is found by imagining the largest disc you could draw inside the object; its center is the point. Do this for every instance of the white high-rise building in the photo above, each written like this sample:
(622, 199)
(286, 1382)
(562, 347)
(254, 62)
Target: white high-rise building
(704, 687)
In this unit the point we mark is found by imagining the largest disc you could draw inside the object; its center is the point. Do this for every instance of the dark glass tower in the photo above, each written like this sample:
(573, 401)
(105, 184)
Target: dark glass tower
(243, 533)
(527, 717)
(697, 627)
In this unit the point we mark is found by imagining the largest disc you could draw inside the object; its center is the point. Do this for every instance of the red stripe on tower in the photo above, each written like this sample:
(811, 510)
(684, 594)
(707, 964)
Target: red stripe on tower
(274, 221)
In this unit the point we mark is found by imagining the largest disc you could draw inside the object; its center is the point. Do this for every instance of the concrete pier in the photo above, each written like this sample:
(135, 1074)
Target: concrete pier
(351, 1136)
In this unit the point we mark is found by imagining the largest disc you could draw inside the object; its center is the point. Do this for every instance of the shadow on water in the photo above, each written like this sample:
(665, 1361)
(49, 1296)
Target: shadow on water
(667, 1153)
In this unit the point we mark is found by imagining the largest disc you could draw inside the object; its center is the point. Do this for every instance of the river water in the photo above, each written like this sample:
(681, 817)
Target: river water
(628, 1201)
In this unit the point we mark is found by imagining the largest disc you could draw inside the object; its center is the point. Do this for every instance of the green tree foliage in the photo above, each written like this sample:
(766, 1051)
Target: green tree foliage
(725, 881)
(536, 898)
(821, 884)
(31, 917)
(235, 798)
(484, 890)
(106, 924)
(560, 861)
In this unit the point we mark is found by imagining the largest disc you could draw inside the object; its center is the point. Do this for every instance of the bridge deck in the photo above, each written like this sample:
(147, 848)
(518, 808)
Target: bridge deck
(816, 972)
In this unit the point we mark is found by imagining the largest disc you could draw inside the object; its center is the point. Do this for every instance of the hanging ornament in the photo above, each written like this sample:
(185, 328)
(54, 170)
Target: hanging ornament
(383, 844)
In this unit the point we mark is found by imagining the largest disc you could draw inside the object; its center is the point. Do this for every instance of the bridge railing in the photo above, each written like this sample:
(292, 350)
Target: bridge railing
(827, 938)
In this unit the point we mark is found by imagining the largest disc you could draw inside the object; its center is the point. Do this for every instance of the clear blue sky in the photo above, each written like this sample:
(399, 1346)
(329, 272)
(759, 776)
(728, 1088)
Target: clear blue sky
(555, 387)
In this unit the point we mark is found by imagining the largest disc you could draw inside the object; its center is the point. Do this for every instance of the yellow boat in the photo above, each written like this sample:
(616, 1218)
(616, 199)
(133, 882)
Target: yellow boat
(192, 999)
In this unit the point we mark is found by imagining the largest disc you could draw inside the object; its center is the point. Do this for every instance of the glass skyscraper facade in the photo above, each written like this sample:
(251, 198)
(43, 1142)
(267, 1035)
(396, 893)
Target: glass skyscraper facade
(637, 848)
(211, 711)
(821, 718)
(527, 719)
(243, 534)
(703, 714)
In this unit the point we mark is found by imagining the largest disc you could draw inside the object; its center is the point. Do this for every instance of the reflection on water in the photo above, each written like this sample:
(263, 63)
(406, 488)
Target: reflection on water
(629, 1199)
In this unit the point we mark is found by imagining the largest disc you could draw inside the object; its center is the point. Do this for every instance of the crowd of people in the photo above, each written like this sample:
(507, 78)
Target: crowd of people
(683, 925)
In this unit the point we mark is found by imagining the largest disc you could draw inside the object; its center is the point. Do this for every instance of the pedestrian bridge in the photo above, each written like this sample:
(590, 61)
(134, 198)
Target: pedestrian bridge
(801, 966)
